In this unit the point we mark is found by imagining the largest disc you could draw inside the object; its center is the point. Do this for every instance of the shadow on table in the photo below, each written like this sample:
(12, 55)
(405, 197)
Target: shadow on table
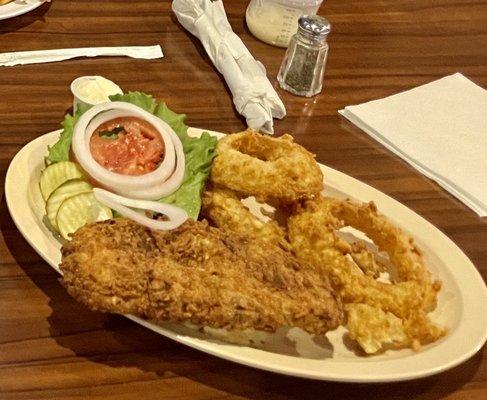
(117, 342)
(21, 21)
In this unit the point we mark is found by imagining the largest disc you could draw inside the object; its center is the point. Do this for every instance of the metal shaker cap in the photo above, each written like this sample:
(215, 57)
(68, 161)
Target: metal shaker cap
(314, 25)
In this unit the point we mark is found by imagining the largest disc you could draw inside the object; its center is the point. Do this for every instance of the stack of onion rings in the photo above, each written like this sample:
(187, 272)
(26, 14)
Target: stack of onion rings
(277, 171)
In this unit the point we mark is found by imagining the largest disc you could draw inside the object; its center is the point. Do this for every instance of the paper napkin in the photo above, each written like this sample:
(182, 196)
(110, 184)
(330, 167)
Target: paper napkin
(46, 56)
(253, 95)
(32, 1)
(440, 129)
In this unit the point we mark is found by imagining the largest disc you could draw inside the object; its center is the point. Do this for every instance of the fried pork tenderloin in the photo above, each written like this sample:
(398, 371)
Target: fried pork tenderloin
(198, 274)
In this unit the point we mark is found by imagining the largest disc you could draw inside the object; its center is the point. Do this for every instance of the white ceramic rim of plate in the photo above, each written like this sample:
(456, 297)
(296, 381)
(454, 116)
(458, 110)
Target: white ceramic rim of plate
(463, 342)
(13, 9)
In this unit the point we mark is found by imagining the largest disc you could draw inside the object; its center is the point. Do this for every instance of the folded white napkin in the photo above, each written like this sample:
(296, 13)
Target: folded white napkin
(253, 95)
(440, 129)
(46, 56)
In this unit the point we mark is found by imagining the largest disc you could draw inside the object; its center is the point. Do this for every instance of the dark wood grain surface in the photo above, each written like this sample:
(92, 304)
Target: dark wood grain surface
(51, 347)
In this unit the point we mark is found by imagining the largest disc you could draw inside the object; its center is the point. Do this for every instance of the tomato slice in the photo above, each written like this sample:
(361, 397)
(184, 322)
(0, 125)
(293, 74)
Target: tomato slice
(127, 146)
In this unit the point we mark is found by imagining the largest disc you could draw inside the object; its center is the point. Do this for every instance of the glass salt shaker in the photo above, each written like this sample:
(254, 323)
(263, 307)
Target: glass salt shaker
(303, 67)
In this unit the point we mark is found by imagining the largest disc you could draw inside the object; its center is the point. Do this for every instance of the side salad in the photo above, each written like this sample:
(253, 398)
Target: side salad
(74, 198)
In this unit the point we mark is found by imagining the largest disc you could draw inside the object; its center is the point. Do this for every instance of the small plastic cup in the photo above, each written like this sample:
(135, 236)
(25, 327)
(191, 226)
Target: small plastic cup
(92, 90)
(276, 21)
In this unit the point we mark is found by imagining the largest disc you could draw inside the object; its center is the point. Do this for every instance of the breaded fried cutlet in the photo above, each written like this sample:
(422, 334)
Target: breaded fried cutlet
(105, 266)
(199, 274)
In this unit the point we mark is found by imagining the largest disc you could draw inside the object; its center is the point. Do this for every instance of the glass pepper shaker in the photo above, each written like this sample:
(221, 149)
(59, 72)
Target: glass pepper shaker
(303, 66)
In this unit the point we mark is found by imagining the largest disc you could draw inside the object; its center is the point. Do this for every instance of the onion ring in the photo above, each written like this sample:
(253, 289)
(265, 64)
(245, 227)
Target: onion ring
(176, 216)
(370, 304)
(163, 181)
(271, 169)
(225, 210)
(403, 252)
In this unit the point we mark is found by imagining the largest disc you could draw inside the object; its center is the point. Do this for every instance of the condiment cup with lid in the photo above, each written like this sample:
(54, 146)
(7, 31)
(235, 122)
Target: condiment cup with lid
(92, 90)
(276, 21)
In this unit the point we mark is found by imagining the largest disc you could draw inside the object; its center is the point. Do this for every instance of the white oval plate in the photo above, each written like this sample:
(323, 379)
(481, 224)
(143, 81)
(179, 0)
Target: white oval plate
(17, 7)
(461, 302)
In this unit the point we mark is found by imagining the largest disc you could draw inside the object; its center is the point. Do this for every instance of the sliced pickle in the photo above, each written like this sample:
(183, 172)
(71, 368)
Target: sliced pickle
(78, 211)
(68, 189)
(56, 174)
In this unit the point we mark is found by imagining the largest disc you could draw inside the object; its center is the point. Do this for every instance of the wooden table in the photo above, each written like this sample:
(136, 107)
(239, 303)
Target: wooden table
(51, 347)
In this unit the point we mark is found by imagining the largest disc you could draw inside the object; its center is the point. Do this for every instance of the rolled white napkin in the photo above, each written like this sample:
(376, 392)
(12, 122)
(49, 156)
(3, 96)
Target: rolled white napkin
(440, 129)
(253, 95)
(54, 55)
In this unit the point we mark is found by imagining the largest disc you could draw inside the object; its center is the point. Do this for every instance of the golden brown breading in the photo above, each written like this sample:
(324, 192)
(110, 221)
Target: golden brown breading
(403, 252)
(374, 329)
(198, 274)
(271, 169)
(104, 266)
(225, 210)
(314, 239)
(365, 260)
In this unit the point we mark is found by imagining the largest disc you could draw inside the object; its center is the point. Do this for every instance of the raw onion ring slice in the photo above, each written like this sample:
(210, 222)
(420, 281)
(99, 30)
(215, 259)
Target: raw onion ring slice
(161, 182)
(167, 165)
(171, 184)
(176, 216)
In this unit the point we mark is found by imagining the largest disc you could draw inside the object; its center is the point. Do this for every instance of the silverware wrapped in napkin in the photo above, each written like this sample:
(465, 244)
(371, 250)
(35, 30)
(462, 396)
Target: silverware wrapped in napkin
(253, 95)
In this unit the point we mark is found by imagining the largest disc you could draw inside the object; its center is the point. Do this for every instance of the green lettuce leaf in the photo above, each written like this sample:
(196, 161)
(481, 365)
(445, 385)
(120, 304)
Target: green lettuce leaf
(60, 150)
(174, 120)
(199, 152)
(142, 100)
(199, 157)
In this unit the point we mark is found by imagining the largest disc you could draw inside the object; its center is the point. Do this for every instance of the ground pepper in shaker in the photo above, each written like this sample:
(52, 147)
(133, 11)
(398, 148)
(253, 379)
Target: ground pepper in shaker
(303, 66)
